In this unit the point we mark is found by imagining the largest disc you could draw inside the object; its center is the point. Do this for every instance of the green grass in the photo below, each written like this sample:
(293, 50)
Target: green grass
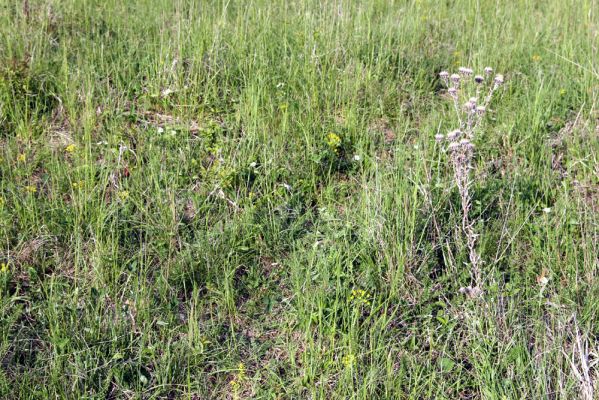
(200, 239)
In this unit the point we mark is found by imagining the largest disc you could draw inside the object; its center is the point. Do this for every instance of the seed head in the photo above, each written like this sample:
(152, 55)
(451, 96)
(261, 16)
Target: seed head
(488, 70)
(453, 92)
(465, 143)
(455, 78)
(453, 135)
(498, 79)
(439, 137)
(453, 146)
(481, 110)
(473, 100)
(466, 71)
(444, 75)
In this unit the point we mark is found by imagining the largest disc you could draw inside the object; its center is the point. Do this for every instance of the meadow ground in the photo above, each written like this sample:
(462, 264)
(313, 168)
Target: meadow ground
(245, 199)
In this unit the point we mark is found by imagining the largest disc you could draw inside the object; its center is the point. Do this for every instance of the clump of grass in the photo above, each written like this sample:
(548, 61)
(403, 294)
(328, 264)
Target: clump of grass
(470, 96)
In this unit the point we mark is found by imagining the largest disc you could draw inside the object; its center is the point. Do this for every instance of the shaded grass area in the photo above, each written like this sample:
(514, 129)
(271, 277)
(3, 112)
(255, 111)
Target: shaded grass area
(177, 222)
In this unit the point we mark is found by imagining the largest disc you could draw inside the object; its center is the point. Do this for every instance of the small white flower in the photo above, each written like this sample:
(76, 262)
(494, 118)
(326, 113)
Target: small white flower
(253, 164)
(546, 210)
(160, 129)
(543, 281)
(357, 157)
(166, 92)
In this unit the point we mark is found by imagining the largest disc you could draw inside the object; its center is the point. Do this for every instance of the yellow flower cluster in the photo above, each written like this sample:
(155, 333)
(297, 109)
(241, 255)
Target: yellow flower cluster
(78, 184)
(333, 141)
(360, 297)
(123, 195)
(235, 383)
(348, 360)
(70, 148)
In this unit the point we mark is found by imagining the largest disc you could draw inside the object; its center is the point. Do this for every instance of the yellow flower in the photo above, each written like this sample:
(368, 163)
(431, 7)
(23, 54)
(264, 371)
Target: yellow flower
(241, 373)
(359, 297)
(333, 141)
(123, 195)
(70, 148)
(21, 157)
(562, 92)
(348, 360)
(78, 184)
(30, 189)
(536, 58)
(4, 267)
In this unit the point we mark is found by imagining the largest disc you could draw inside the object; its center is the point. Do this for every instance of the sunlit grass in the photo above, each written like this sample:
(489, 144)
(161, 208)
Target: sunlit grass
(219, 199)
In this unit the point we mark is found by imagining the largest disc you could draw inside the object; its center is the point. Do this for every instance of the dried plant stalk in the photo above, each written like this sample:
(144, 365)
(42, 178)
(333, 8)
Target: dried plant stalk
(461, 149)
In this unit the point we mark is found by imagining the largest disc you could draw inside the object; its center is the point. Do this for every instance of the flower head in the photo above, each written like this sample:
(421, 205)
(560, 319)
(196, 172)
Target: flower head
(469, 105)
(348, 360)
(333, 141)
(70, 148)
(78, 184)
(479, 79)
(488, 70)
(453, 135)
(466, 71)
(360, 297)
(123, 195)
